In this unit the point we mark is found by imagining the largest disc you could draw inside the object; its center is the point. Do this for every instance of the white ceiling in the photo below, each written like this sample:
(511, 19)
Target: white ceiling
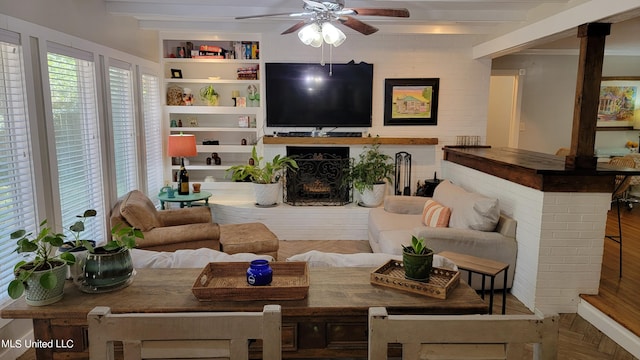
(500, 26)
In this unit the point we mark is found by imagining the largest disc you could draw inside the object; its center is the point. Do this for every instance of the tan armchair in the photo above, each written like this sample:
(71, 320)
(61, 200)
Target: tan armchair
(167, 230)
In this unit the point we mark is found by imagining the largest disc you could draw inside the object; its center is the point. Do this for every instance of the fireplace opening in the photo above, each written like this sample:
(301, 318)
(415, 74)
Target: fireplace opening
(319, 178)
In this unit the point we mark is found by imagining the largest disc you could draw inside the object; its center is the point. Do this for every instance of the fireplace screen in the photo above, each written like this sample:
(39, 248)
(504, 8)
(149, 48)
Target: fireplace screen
(319, 179)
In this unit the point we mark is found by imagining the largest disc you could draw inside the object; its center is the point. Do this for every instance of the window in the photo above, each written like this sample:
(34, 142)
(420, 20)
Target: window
(124, 127)
(17, 201)
(153, 134)
(77, 140)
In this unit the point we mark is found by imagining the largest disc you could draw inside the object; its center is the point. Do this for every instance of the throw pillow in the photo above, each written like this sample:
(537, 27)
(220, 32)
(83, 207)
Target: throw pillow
(139, 211)
(468, 210)
(435, 215)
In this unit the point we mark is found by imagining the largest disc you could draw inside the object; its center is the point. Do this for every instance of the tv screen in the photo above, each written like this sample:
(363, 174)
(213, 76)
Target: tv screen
(308, 95)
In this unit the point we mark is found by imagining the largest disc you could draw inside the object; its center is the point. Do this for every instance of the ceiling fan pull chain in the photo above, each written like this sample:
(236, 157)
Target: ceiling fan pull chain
(330, 60)
(322, 54)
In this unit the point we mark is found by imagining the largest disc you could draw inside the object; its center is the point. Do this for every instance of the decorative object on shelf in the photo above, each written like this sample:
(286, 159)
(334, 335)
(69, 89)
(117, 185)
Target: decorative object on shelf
(179, 122)
(180, 146)
(368, 175)
(243, 121)
(189, 49)
(252, 92)
(209, 94)
(243, 142)
(174, 95)
(216, 158)
(196, 187)
(417, 260)
(180, 52)
(235, 94)
(266, 177)
(41, 279)
(187, 97)
(259, 273)
(241, 101)
(176, 74)
(208, 161)
(411, 101)
(193, 122)
(173, 123)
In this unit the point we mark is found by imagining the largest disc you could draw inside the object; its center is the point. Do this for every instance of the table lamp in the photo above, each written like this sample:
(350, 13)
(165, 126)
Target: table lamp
(180, 146)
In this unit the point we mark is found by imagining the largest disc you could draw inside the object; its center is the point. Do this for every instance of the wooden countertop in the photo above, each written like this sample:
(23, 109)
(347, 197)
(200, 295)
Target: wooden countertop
(288, 140)
(540, 171)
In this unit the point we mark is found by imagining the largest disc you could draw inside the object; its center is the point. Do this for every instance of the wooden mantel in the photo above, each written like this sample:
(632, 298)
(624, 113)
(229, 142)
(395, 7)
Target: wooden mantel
(540, 171)
(288, 140)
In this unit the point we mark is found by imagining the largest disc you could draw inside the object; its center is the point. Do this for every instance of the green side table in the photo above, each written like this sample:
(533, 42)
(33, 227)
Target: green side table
(184, 200)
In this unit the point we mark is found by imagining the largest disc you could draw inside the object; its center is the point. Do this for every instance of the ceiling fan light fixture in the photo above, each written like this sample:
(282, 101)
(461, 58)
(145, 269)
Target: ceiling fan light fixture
(332, 35)
(310, 35)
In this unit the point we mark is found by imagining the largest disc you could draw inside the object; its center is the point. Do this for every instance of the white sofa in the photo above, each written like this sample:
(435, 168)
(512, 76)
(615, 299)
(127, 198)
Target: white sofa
(476, 228)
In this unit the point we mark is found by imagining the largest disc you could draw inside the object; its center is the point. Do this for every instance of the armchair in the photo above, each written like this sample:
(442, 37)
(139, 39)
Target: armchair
(166, 230)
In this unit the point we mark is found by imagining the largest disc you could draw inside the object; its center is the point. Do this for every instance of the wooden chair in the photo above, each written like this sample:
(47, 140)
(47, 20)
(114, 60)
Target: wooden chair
(462, 336)
(185, 335)
(622, 184)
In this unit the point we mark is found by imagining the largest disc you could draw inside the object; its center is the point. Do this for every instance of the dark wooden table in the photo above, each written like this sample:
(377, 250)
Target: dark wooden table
(330, 323)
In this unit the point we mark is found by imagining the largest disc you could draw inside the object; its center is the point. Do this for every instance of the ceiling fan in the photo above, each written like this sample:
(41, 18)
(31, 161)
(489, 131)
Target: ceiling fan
(334, 11)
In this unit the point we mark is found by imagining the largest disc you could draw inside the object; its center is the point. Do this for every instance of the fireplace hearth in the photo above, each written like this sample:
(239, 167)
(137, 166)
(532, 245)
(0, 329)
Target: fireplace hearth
(319, 179)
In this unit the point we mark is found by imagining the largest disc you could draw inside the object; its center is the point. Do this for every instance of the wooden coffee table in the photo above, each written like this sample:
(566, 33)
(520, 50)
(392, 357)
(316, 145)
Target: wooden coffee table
(330, 323)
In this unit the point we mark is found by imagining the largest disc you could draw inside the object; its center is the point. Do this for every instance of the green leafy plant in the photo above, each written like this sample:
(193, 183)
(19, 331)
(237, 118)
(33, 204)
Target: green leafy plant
(42, 246)
(79, 227)
(268, 173)
(418, 246)
(123, 236)
(209, 94)
(372, 167)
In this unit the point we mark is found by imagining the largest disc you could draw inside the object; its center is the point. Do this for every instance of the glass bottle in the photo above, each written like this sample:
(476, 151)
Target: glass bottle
(183, 180)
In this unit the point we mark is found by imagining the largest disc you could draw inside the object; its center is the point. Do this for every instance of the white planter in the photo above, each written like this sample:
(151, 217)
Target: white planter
(267, 194)
(373, 198)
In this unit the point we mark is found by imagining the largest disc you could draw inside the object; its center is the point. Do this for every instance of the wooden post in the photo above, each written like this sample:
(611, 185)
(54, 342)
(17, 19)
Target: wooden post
(585, 113)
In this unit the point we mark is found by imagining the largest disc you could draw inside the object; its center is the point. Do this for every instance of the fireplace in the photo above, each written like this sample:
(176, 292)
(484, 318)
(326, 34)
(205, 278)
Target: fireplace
(319, 179)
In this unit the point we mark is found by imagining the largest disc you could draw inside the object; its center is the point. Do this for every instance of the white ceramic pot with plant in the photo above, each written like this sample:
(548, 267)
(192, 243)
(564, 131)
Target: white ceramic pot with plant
(41, 279)
(369, 174)
(78, 247)
(266, 176)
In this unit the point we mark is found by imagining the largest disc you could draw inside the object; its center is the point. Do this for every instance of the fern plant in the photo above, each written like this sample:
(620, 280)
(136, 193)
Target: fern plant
(372, 167)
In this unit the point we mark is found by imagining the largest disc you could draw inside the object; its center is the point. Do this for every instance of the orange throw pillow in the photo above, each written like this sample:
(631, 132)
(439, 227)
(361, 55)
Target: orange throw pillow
(435, 215)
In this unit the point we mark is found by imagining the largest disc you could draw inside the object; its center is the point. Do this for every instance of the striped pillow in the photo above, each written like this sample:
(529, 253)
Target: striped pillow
(435, 215)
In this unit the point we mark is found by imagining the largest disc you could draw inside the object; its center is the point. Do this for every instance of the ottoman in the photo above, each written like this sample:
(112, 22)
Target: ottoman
(253, 238)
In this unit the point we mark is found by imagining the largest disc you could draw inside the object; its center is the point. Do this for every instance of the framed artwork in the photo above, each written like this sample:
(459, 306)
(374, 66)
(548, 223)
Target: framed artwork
(411, 101)
(176, 74)
(619, 104)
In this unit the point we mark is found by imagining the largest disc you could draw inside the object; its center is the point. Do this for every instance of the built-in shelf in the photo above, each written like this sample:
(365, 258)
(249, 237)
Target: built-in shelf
(286, 140)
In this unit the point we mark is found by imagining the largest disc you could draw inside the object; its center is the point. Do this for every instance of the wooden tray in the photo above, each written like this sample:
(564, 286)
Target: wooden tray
(441, 281)
(228, 281)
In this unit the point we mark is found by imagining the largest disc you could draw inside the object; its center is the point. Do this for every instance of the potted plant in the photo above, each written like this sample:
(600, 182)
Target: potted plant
(266, 177)
(417, 260)
(109, 267)
(78, 247)
(42, 278)
(368, 175)
(209, 94)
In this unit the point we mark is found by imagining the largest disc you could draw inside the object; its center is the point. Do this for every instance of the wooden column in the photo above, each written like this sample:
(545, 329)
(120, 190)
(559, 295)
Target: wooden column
(585, 113)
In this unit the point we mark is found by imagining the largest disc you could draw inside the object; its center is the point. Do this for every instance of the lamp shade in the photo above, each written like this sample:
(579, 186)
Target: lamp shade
(182, 145)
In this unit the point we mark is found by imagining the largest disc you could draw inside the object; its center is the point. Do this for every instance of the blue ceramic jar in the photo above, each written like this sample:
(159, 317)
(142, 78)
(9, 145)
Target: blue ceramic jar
(259, 273)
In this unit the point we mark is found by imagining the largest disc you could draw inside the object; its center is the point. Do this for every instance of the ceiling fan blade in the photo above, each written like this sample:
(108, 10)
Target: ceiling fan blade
(358, 25)
(267, 15)
(294, 28)
(381, 12)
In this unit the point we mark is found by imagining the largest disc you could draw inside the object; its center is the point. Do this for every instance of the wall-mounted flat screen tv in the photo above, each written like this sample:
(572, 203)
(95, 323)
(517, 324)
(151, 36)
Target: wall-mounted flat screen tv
(312, 95)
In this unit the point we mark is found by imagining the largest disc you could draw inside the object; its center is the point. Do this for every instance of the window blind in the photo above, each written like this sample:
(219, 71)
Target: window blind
(124, 129)
(152, 135)
(17, 202)
(77, 141)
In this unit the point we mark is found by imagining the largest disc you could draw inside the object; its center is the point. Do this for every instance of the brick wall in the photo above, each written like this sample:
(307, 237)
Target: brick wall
(560, 238)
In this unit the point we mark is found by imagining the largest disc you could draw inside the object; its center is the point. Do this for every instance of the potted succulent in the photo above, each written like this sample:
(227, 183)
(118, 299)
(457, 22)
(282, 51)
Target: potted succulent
(417, 260)
(42, 278)
(209, 94)
(109, 267)
(266, 176)
(78, 247)
(368, 175)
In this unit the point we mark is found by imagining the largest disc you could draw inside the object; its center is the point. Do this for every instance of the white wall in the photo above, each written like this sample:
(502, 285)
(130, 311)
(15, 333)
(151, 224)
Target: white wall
(464, 85)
